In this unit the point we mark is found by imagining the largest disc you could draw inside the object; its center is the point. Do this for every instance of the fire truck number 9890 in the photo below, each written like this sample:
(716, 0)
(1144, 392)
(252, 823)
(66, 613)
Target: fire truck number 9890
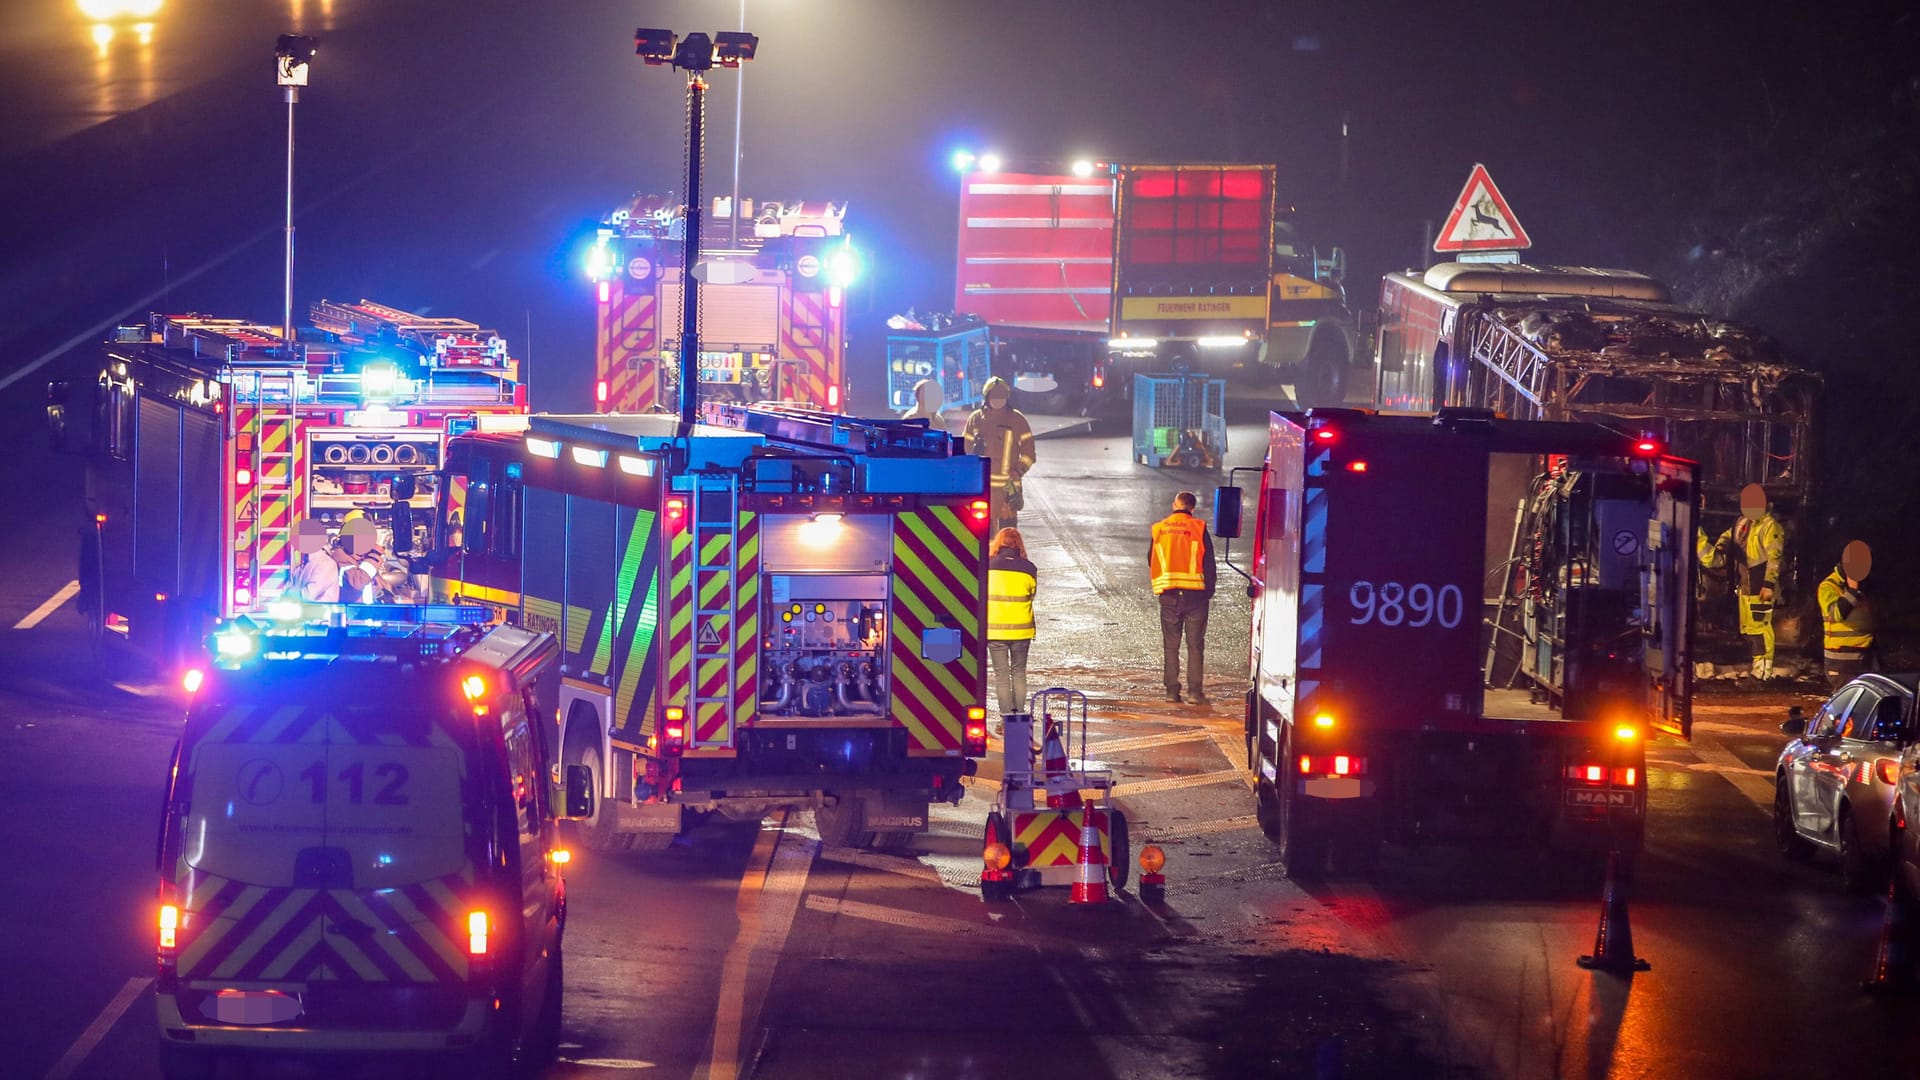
(1390, 603)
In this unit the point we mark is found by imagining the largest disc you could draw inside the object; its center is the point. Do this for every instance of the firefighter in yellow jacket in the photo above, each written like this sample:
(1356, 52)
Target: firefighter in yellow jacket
(1846, 618)
(1180, 563)
(1754, 550)
(999, 432)
(1011, 583)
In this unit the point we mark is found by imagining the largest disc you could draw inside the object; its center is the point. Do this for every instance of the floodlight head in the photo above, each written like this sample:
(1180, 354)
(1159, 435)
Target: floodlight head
(695, 53)
(293, 59)
(654, 46)
(731, 48)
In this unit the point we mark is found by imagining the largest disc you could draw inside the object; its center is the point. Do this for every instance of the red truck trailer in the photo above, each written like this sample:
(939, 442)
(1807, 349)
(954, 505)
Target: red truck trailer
(1090, 273)
(1463, 626)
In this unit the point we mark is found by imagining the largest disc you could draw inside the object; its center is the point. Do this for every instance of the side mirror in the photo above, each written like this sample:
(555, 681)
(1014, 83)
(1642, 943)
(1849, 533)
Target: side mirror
(1795, 723)
(59, 393)
(1226, 512)
(579, 792)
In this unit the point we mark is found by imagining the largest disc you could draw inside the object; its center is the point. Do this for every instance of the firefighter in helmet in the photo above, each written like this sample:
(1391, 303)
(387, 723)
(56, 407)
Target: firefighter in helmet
(1754, 550)
(1846, 616)
(998, 432)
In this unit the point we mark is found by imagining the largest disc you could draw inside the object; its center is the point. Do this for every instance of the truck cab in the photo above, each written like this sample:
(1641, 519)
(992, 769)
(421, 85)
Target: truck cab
(358, 851)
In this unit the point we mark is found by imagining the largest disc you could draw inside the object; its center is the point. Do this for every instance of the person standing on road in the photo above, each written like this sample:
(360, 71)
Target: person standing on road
(1846, 618)
(928, 400)
(998, 432)
(1011, 584)
(1180, 564)
(1754, 549)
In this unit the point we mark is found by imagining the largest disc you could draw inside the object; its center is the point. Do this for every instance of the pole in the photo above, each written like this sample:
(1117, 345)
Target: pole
(690, 255)
(739, 108)
(286, 295)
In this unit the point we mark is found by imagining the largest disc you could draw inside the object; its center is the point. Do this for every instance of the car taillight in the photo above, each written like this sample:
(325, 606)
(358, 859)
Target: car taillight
(477, 926)
(169, 929)
(1888, 769)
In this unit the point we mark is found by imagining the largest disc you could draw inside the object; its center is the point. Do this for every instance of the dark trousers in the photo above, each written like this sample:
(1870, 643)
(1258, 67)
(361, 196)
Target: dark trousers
(1183, 611)
(1841, 670)
(1010, 673)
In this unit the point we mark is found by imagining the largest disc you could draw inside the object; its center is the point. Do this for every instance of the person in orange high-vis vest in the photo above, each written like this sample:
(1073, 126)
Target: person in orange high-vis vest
(1180, 565)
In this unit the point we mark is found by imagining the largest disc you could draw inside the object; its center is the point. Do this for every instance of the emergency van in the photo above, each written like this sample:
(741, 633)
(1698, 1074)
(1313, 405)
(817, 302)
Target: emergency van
(358, 852)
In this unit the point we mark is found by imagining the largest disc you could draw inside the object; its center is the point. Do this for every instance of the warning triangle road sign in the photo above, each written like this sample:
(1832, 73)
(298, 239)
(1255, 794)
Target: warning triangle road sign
(709, 634)
(1481, 220)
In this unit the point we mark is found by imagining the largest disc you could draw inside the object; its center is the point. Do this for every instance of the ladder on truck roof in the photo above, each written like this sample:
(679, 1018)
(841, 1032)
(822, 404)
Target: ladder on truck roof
(848, 434)
(440, 340)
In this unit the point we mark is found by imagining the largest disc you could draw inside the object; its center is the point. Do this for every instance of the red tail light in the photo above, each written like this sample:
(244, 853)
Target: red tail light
(1325, 435)
(676, 512)
(1596, 774)
(600, 392)
(981, 509)
(1356, 466)
(1887, 769)
(478, 926)
(1333, 765)
(833, 397)
(606, 291)
(975, 733)
(242, 477)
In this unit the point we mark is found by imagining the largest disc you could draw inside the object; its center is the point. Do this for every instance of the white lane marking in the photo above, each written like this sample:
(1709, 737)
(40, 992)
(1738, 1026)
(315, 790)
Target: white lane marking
(1144, 742)
(38, 615)
(1176, 783)
(769, 898)
(914, 920)
(608, 1063)
(1752, 783)
(97, 1030)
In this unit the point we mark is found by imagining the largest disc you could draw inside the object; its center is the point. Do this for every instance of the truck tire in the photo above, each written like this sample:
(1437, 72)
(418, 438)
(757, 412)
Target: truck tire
(842, 825)
(649, 842)
(1303, 849)
(1322, 381)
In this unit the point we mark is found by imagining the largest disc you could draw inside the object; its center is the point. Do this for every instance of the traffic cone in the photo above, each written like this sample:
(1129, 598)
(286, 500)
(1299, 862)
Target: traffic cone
(1893, 965)
(1613, 944)
(1090, 882)
(996, 860)
(1054, 768)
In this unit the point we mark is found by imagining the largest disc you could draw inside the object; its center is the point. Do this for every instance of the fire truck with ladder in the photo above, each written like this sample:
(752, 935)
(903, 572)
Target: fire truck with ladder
(1463, 626)
(773, 304)
(207, 442)
(771, 608)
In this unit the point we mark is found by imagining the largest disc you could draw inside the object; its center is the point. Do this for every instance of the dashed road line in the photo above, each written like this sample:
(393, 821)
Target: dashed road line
(53, 603)
(769, 898)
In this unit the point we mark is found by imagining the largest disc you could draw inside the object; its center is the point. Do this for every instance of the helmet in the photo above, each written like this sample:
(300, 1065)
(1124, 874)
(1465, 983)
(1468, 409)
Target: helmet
(996, 384)
(353, 515)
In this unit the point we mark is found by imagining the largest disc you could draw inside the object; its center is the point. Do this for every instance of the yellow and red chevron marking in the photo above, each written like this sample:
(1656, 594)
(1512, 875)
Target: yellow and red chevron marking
(938, 581)
(714, 583)
(811, 336)
(232, 930)
(677, 642)
(1052, 837)
(746, 641)
(281, 496)
(628, 349)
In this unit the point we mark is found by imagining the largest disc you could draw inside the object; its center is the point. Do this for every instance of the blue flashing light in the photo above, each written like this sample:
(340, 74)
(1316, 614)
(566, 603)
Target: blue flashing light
(286, 609)
(600, 260)
(234, 644)
(962, 160)
(378, 380)
(843, 267)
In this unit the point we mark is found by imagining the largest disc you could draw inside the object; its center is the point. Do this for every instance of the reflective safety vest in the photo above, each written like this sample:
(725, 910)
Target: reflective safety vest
(1759, 547)
(1010, 587)
(1846, 620)
(1179, 551)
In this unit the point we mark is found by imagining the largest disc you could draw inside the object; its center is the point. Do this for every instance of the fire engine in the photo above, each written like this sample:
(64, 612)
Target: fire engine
(773, 304)
(1090, 273)
(773, 608)
(1611, 346)
(1463, 625)
(207, 443)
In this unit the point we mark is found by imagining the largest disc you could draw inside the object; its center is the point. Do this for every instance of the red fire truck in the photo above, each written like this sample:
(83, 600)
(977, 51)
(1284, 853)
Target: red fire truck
(773, 318)
(1462, 626)
(207, 443)
(1206, 263)
(776, 609)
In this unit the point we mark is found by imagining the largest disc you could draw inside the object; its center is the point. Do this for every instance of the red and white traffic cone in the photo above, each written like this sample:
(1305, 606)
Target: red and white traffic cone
(1054, 766)
(1090, 881)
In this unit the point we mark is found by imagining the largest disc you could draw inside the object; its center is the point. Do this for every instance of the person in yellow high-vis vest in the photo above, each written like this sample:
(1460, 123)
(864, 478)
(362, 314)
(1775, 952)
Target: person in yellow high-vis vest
(1181, 568)
(1846, 617)
(1011, 584)
(1754, 550)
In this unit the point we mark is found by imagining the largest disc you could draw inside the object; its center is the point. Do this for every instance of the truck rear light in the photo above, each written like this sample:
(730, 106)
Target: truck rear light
(1099, 377)
(1356, 466)
(1324, 435)
(975, 739)
(676, 512)
(1626, 732)
(1323, 720)
(980, 509)
(600, 391)
(1332, 765)
(477, 927)
(1626, 776)
(242, 596)
(606, 291)
(1595, 774)
(833, 397)
(169, 929)
(190, 682)
(242, 477)
(1646, 446)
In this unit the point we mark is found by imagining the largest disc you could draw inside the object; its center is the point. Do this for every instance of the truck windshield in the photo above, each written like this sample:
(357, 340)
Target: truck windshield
(272, 776)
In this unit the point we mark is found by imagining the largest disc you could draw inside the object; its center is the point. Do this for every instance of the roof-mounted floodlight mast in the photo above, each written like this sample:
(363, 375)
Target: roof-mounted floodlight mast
(696, 55)
(293, 62)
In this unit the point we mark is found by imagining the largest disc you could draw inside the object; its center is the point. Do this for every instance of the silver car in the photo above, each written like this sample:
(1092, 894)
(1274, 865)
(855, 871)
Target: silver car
(1835, 782)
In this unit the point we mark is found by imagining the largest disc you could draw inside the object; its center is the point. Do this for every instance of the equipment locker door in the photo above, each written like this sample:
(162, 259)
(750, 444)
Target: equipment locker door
(1668, 577)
